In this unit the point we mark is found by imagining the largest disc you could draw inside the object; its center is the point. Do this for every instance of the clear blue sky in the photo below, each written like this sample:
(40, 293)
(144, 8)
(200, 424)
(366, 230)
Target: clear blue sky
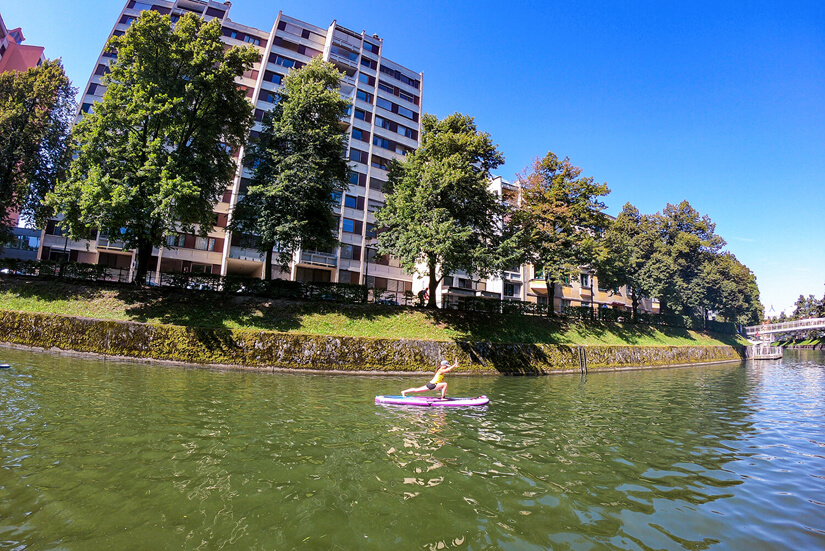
(719, 103)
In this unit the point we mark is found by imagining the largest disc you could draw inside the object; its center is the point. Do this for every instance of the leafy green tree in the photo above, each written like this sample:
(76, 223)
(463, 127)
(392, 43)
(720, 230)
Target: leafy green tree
(440, 216)
(299, 164)
(561, 220)
(628, 246)
(154, 155)
(805, 307)
(685, 241)
(36, 110)
(731, 290)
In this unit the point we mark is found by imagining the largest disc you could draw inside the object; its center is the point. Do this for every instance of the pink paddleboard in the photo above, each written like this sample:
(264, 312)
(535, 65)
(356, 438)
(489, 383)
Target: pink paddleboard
(432, 401)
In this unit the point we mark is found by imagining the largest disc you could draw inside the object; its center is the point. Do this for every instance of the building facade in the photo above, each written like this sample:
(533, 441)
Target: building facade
(524, 283)
(383, 124)
(14, 55)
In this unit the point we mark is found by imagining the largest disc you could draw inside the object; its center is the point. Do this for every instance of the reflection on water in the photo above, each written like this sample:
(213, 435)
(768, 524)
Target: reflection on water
(106, 455)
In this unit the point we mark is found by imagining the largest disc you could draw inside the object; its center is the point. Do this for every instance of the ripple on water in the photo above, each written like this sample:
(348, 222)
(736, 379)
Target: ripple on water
(100, 455)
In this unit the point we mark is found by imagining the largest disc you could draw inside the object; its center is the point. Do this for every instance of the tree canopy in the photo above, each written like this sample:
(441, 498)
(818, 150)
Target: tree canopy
(36, 110)
(440, 216)
(560, 219)
(299, 167)
(153, 156)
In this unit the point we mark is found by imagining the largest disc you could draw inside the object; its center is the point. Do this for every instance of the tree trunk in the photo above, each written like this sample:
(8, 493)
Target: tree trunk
(551, 297)
(634, 302)
(267, 267)
(144, 256)
(433, 284)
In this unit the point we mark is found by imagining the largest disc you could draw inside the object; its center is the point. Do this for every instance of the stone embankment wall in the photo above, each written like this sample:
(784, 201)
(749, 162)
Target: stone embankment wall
(260, 349)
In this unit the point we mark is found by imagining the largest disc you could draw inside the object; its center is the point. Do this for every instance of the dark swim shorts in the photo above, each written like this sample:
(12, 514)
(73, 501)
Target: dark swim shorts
(431, 386)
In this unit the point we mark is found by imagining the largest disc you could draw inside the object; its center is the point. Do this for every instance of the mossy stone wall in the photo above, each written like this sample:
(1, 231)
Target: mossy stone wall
(313, 352)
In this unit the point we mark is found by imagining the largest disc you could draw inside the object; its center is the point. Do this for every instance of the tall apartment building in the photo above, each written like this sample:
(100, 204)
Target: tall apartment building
(382, 124)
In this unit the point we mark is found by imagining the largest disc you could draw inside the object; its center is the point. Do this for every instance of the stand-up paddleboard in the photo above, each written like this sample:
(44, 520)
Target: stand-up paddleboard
(432, 401)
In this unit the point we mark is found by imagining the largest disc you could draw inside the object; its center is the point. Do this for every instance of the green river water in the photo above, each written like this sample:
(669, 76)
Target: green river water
(101, 455)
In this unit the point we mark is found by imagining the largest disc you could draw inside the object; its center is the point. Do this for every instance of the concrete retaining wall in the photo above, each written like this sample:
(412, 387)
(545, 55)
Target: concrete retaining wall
(260, 349)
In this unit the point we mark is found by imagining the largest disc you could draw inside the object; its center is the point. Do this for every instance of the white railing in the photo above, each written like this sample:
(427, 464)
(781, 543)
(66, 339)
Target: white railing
(242, 253)
(318, 259)
(788, 326)
(763, 352)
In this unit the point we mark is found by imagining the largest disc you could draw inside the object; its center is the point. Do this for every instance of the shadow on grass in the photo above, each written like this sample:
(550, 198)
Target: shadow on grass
(208, 309)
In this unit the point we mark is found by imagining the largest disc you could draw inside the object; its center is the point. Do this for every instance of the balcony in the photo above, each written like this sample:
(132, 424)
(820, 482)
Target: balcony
(243, 253)
(104, 242)
(318, 259)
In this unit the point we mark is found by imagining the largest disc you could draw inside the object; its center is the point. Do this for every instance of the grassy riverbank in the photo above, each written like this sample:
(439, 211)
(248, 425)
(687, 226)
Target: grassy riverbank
(213, 310)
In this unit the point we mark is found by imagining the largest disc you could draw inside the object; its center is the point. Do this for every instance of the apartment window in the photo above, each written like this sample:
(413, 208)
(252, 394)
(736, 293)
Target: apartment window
(509, 290)
(398, 76)
(357, 134)
(269, 96)
(86, 108)
(205, 243)
(448, 281)
(465, 283)
(359, 114)
(366, 79)
(584, 280)
(404, 112)
(93, 89)
(406, 97)
(214, 12)
(407, 132)
(351, 202)
(385, 87)
(380, 162)
(366, 62)
(175, 240)
(284, 61)
(350, 252)
(352, 56)
(364, 96)
(352, 226)
(252, 40)
(275, 78)
(401, 150)
(336, 197)
(381, 142)
(358, 156)
(377, 184)
(139, 6)
(384, 104)
(370, 230)
(358, 179)
(373, 205)
(101, 70)
(370, 47)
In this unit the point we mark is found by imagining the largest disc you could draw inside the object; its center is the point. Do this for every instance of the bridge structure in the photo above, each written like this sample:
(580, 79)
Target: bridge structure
(767, 331)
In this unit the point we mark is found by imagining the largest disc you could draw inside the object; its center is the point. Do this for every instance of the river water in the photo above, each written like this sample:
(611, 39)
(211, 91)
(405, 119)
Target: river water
(99, 455)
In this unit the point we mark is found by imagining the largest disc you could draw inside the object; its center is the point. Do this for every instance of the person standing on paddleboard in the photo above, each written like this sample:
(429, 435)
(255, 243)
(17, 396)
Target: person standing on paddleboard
(436, 383)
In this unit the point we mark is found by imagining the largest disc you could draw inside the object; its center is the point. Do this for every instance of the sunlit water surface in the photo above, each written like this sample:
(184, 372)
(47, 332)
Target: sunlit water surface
(101, 455)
